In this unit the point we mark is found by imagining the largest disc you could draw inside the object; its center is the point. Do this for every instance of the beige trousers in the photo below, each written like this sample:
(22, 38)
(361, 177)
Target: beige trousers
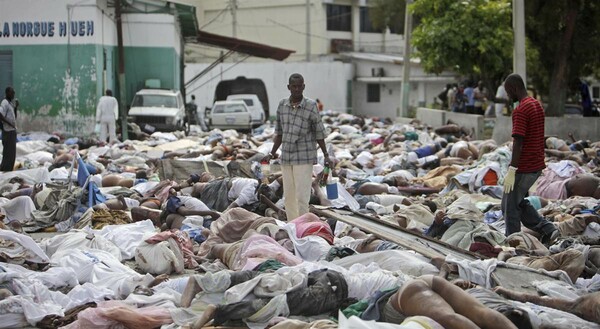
(297, 180)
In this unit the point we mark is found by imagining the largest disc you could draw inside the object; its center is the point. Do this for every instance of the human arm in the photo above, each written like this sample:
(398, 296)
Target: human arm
(319, 129)
(516, 153)
(183, 211)
(3, 111)
(321, 143)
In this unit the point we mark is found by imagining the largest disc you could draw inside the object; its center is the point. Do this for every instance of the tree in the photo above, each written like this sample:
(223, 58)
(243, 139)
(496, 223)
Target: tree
(471, 37)
(388, 13)
(568, 33)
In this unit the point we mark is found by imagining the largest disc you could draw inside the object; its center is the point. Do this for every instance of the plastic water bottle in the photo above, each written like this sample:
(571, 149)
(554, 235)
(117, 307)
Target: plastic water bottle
(325, 178)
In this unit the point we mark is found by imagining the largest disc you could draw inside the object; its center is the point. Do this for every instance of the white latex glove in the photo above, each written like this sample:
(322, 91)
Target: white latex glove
(509, 179)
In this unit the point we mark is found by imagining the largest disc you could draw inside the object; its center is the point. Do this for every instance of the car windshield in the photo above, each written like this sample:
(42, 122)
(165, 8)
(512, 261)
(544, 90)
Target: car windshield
(248, 101)
(154, 101)
(229, 108)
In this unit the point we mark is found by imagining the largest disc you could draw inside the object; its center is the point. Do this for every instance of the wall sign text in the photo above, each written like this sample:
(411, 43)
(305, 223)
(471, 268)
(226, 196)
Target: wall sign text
(46, 29)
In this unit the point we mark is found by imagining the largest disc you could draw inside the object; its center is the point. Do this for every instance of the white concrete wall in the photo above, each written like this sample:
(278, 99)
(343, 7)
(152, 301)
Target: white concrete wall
(326, 81)
(97, 19)
(424, 87)
(436, 118)
(582, 128)
(281, 23)
(151, 30)
(52, 14)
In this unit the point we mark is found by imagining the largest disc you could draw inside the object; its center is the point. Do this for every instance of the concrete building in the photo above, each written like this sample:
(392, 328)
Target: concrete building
(378, 84)
(340, 30)
(61, 55)
(330, 82)
(335, 26)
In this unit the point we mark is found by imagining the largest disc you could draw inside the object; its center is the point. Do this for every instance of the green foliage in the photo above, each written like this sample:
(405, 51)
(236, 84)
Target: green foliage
(471, 37)
(545, 24)
(388, 13)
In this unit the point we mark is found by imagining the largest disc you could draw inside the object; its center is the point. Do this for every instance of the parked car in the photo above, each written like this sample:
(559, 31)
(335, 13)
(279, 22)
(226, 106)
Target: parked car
(230, 115)
(158, 110)
(254, 106)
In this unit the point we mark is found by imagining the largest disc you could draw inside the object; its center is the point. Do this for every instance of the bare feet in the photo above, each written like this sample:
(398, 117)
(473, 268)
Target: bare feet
(206, 317)
(158, 280)
(190, 291)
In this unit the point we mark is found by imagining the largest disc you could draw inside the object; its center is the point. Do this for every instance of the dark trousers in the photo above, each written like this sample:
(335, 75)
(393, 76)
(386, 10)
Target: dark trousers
(9, 151)
(517, 209)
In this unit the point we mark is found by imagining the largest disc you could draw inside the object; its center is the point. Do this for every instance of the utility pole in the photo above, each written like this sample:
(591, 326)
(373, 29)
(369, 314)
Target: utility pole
(234, 17)
(519, 59)
(308, 30)
(122, 89)
(403, 110)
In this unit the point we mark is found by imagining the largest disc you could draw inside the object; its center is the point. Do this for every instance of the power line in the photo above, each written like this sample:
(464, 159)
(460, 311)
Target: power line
(294, 30)
(216, 76)
(214, 18)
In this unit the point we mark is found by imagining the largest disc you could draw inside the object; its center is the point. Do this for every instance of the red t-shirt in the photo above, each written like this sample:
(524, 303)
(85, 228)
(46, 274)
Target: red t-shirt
(528, 123)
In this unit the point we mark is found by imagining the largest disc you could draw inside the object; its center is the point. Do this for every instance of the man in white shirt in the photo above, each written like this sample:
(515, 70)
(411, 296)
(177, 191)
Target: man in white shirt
(106, 114)
(500, 101)
(8, 117)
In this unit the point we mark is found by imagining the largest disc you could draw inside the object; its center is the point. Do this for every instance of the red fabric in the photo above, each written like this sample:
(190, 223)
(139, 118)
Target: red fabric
(490, 178)
(485, 249)
(310, 224)
(528, 123)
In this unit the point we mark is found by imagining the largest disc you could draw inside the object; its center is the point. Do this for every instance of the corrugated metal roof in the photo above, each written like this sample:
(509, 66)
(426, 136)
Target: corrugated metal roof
(243, 46)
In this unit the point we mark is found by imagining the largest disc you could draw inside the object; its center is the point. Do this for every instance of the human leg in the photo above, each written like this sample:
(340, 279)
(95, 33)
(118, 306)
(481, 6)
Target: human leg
(468, 306)
(417, 298)
(112, 131)
(9, 151)
(529, 216)
(289, 192)
(303, 181)
(103, 131)
(192, 288)
(511, 202)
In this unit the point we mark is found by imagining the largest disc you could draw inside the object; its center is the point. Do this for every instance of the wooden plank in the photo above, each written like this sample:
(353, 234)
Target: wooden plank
(424, 245)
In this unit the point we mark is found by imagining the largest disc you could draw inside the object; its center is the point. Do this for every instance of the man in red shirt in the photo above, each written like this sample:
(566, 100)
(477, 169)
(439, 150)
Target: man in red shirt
(526, 164)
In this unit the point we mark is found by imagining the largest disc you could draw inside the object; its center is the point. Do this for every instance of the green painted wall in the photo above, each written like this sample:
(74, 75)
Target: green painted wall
(43, 84)
(142, 63)
(58, 86)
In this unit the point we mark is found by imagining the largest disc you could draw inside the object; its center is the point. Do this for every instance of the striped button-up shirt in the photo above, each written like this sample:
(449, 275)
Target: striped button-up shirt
(300, 128)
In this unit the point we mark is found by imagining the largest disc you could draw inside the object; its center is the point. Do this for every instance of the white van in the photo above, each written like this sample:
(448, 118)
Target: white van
(230, 115)
(254, 105)
(158, 109)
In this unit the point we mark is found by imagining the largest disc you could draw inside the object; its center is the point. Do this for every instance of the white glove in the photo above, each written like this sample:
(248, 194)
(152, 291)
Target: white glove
(509, 179)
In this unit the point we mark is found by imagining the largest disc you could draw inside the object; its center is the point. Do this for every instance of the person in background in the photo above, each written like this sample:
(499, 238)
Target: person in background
(106, 114)
(500, 101)
(526, 163)
(470, 98)
(8, 118)
(298, 131)
(480, 97)
(319, 105)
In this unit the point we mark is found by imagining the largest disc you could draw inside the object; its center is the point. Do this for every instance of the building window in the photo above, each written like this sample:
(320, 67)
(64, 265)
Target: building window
(365, 21)
(339, 18)
(373, 93)
(596, 92)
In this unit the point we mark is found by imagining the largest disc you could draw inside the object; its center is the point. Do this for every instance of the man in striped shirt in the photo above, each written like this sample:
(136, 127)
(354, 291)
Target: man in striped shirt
(526, 164)
(298, 131)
